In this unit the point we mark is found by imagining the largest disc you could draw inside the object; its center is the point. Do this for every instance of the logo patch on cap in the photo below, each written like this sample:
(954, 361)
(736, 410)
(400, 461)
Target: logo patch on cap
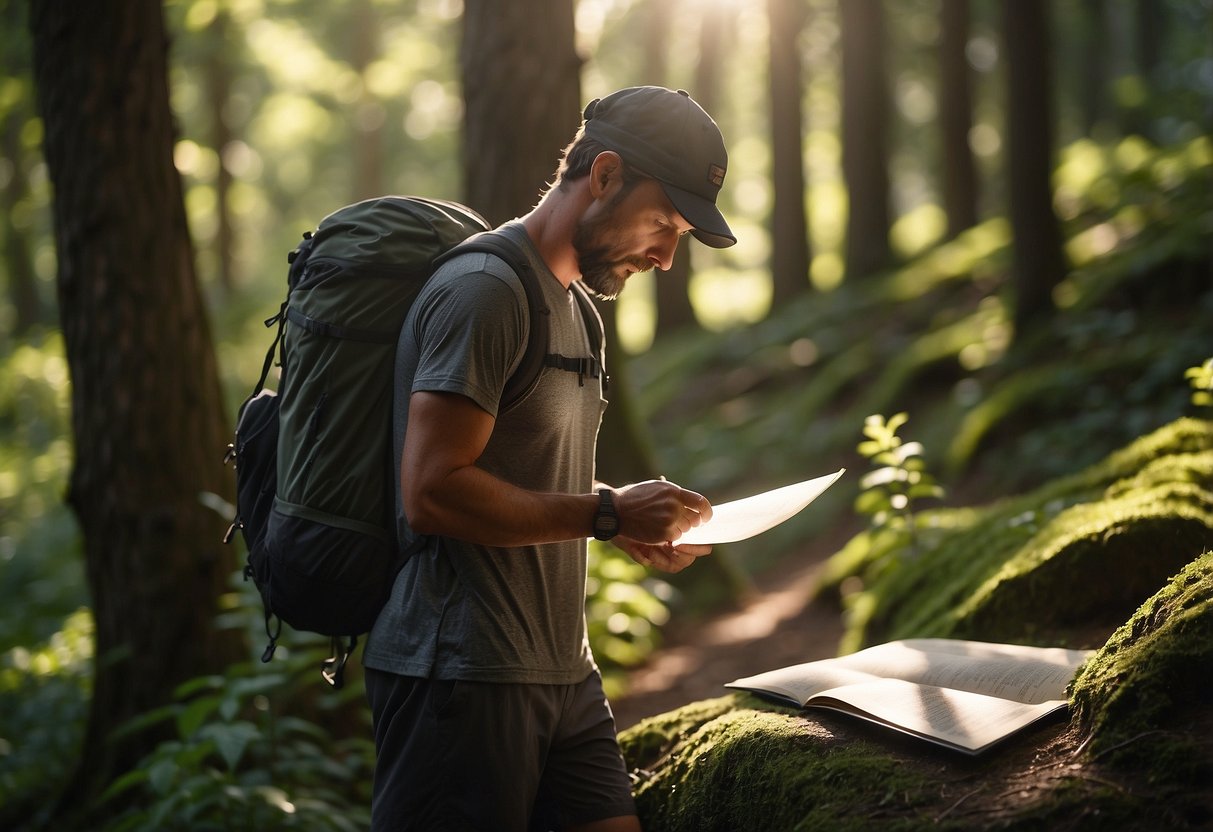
(716, 175)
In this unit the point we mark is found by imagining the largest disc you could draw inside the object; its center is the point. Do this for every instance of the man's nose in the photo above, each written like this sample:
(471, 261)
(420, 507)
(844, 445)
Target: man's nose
(662, 252)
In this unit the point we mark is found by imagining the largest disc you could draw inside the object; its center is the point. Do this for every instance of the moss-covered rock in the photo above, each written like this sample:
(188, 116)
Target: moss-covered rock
(1153, 680)
(1138, 754)
(1064, 564)
(1124, 548)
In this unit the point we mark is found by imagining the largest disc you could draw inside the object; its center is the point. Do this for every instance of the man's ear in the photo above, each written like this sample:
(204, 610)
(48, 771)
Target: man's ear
(606, 173)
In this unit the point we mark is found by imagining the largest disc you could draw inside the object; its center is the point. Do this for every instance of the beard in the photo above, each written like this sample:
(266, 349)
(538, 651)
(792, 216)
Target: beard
(603, 273)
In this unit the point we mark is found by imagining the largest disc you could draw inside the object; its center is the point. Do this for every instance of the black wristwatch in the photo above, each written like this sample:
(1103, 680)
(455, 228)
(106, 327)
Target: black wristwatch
(606, 521)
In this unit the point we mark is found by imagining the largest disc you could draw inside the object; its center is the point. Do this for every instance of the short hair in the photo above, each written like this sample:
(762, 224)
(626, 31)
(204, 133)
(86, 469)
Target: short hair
(578, 157)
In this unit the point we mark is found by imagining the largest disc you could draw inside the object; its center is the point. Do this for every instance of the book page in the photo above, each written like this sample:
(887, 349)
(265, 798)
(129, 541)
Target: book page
(1009, 671)
(799, 683)
(968, 721)
(747, 517)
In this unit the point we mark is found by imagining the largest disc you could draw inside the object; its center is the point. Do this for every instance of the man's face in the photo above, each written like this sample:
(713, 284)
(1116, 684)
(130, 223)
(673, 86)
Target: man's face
(635, 231)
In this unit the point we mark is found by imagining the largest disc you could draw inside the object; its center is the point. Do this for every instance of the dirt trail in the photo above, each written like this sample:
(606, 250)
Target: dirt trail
(776, 626)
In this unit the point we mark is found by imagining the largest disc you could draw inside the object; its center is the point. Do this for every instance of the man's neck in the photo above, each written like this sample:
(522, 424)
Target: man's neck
(551, 225)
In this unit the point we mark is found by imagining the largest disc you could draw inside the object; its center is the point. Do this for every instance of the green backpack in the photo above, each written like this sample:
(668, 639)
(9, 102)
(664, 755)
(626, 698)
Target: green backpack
(316, 498)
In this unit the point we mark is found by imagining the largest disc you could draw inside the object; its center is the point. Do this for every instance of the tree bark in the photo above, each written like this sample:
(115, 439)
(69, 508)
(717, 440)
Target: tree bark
(791, 252)
(218, 93)
(1093, 76)
(146, 404)
(1038, 261)
(956, 118)
(522, 94)
(865, 124)
(672, 290)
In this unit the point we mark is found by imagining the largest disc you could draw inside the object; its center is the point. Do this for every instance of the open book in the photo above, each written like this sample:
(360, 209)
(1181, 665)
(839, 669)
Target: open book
(964, 695)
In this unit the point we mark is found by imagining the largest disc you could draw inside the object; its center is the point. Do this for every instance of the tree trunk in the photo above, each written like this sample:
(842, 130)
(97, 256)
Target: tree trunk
(791, 253)
(956, 118)
(522, 94)
(218, 92)
(1094, 72)
(1149, 30)
(146, 405)
(1038, 262)
(865, 120)
(672, 288)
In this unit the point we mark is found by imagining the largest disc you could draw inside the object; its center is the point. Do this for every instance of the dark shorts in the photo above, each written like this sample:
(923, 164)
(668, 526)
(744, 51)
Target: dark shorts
(454, 755)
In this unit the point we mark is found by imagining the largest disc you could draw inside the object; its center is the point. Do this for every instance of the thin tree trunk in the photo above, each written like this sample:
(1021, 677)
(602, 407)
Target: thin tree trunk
(1094, 73)
(674, 311)
(956, 118)
(791, 253)
(865, 119)
(219, 83)
(1038, 262)
(146, 405)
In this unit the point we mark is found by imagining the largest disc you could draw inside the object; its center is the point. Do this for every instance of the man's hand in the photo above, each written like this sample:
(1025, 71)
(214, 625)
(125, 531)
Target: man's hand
(652, 516)
(663, 556)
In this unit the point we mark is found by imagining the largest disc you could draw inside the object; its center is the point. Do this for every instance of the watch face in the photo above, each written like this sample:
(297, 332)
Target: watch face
(605, 526)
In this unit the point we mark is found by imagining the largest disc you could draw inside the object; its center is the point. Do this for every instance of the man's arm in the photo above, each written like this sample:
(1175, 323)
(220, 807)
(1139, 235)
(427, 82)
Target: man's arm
(444, 492)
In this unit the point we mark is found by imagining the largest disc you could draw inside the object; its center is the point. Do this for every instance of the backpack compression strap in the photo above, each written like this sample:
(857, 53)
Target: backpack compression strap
(583, 367)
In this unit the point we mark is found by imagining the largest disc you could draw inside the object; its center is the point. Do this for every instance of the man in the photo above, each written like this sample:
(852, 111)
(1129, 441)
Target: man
(488, 708)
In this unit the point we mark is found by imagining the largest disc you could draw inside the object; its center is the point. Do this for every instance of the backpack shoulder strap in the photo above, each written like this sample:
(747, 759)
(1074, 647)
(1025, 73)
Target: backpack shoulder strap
(527, 374)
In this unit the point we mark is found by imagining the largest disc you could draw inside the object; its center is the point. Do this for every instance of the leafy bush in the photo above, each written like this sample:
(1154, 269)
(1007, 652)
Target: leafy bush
(242, 758)
(625, 609)
(44, 694)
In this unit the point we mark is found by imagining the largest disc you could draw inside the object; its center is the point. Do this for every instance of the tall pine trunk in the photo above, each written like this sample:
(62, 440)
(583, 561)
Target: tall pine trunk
(146, 405)
(865, 141)
(1038, 261)
(956, 118)
(791, 254)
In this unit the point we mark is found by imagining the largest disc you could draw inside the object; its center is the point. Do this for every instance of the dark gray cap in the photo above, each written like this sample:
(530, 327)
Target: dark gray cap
(668, 136)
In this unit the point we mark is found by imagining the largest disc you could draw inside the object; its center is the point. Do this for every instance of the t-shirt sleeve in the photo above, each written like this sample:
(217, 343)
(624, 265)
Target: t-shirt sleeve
(470, 329)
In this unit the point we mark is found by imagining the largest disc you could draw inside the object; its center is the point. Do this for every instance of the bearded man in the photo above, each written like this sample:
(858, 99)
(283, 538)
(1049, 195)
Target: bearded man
(488, 708)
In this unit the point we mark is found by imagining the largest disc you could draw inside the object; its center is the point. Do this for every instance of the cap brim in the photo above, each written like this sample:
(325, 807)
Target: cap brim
(707, 223)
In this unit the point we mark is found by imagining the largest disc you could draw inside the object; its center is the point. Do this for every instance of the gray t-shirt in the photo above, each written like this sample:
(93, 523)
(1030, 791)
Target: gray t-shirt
(465, 611)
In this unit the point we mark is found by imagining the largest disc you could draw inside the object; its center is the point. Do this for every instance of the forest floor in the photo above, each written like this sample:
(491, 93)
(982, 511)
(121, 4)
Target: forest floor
(777, 624)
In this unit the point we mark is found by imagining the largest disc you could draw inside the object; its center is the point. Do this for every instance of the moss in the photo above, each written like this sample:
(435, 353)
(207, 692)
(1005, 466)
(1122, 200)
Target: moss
(1007, 571)
(1155, 672)
(1081, 553)
(738, 763)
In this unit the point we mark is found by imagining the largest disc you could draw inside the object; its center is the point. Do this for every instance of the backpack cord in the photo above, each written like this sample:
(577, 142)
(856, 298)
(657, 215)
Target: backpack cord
(333, 668)
(268, 653)
(279, 319)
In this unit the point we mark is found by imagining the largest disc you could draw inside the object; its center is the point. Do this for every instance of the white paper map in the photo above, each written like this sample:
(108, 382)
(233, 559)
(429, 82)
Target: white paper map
(745, 518)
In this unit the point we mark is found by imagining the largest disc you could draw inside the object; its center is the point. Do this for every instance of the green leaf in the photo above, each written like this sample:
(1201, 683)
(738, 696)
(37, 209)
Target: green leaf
(881, 476)
(161, 775)
(189, 688)
(124, 783)
(194, 714)
(871, 502)
(231, 740)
